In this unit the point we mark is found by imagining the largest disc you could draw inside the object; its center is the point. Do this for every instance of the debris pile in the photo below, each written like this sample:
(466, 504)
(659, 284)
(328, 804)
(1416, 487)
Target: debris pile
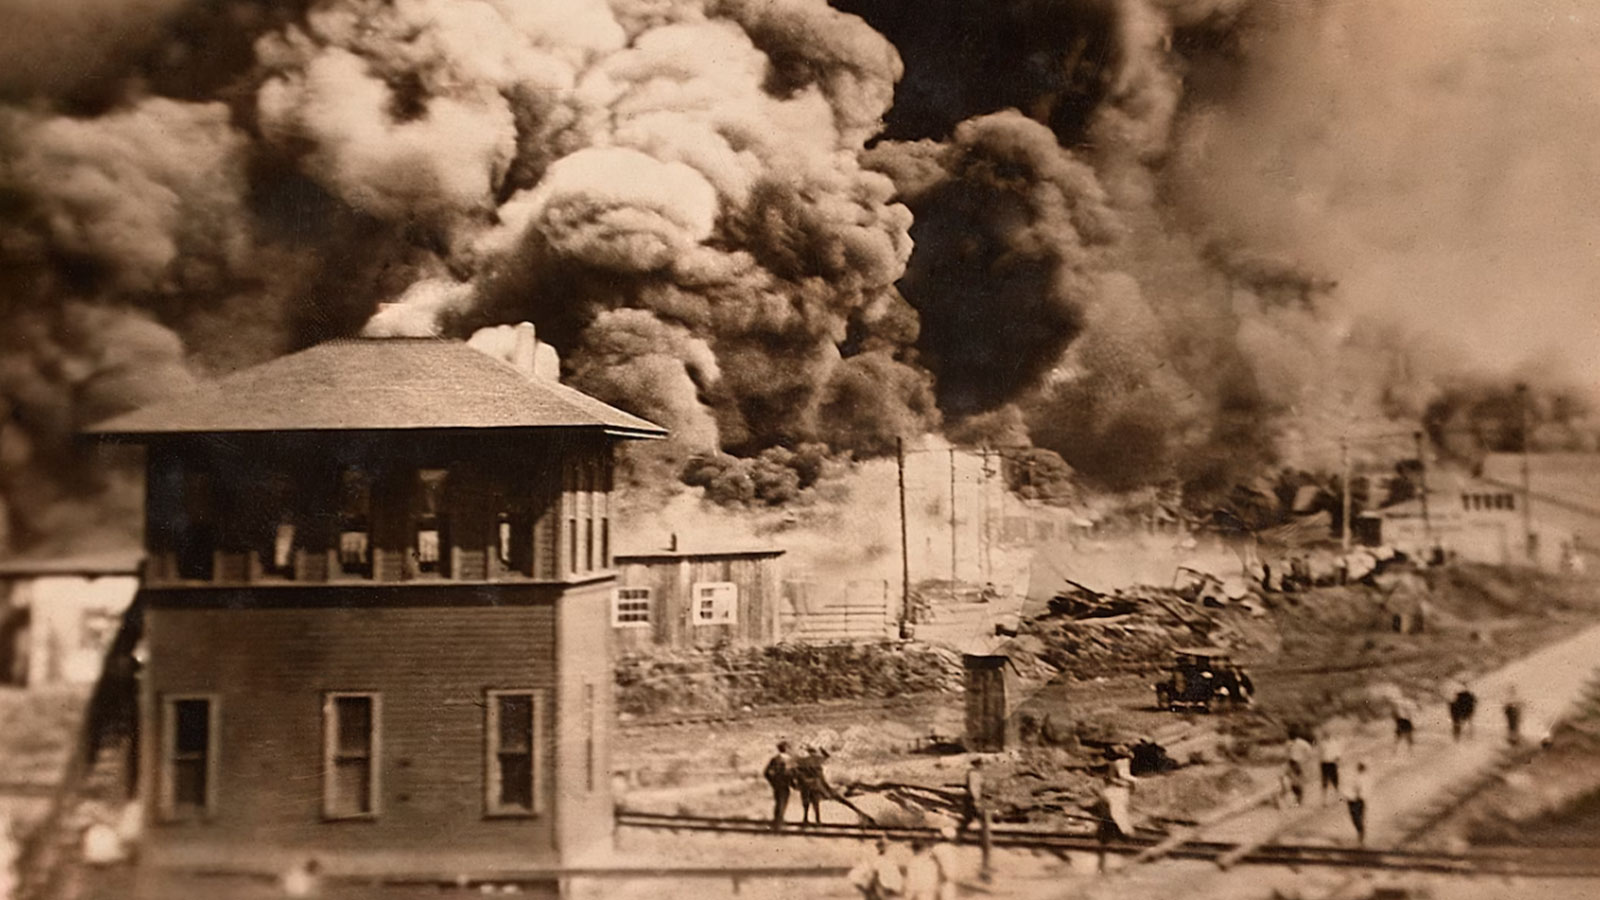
(1087, 633)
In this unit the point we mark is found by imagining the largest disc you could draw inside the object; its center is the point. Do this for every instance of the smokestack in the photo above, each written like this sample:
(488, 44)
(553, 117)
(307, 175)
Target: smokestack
(525, 349)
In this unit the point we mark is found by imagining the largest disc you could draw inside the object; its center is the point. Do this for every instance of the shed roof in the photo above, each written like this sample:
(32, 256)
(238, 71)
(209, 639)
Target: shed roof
(689, 553)
(378, 385)
(113, 562)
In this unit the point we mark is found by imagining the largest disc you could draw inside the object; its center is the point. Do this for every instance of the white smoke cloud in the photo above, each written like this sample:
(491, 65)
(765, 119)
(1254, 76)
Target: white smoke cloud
(1438, 158)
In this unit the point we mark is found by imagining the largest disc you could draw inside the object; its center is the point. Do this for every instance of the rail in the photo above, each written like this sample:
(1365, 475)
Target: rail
(1498, 861)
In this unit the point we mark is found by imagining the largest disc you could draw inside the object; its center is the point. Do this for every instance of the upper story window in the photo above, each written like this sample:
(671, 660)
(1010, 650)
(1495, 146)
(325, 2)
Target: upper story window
(197, 542)
(716, 602)
(429, 541)
(355, 522)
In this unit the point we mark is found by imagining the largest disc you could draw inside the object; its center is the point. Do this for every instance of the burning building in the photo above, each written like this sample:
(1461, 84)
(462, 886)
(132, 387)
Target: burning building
(376, 607)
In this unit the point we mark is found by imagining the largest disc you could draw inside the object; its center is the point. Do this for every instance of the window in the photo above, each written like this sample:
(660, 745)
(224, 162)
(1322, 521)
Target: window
(428, 536)
(630, 606)
(189, 744)
(355, 508)
(715, 603)
(515, 753)
(350, 744)
(198, 537)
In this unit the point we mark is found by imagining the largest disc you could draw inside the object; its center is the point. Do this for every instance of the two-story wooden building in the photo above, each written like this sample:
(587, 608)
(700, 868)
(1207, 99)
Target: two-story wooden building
(377, 611)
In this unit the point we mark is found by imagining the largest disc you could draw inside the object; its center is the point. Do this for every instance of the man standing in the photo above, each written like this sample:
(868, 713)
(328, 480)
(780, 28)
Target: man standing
(1299, 768)
(1462, 707)
(972, 810)
(812, 782)
(1329, 751)
(1355, 796)
(780, 774)
(1405, 728)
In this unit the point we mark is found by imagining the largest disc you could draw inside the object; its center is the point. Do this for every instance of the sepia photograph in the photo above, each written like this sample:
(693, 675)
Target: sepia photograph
(800, 449)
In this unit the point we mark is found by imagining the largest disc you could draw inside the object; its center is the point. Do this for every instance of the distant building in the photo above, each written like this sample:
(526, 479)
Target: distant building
(58, 616)
(697, 597)
(377, 607)
(1480, 516)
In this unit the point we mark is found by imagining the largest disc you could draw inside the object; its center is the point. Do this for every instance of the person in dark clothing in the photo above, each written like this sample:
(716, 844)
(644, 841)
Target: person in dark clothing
(1513, 710)
(1462, 707)
(812, 782)
(780, 775)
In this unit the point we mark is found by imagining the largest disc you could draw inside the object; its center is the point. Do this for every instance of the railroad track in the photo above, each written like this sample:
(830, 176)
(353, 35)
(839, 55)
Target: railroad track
(1489, 861)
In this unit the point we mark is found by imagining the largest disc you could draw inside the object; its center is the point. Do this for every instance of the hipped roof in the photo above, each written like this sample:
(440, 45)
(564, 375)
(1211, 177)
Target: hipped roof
(392, 384)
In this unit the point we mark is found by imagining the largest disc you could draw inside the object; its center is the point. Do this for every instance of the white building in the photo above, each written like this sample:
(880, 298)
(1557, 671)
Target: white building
(58, 616)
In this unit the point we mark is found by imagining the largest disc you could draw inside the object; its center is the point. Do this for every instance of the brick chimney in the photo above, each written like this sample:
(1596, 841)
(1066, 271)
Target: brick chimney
(533, 358)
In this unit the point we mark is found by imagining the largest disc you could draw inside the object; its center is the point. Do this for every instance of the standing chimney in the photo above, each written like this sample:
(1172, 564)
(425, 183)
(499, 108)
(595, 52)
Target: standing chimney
(525, 350)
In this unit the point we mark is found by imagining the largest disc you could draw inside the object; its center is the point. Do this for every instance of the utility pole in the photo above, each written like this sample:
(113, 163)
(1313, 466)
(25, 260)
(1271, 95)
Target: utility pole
(1523, 408)
(905, 547)
(1344, 519)
(1422, 477)
(952, 518)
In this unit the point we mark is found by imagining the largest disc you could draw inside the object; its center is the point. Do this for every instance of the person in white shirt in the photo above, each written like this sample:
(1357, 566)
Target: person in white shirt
(922, 873)
(304, 880)
(945, 854)
(1329, 752)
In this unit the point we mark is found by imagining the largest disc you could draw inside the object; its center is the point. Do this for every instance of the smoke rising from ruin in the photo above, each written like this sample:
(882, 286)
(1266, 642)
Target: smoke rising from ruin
(1171, 240)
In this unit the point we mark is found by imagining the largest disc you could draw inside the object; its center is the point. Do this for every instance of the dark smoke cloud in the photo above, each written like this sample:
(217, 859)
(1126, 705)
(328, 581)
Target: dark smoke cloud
(1008, 227)
(771, 224)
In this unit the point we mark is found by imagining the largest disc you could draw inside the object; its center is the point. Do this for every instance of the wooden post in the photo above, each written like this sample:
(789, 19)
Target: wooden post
(1344, 522)
(905, 547)
(1527, 475)
(1422, 490)
(952, 520)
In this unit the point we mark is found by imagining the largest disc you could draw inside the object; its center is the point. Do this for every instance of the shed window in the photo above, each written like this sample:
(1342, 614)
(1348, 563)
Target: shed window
(514, 753)
(630, 606)
(716, 602)
(189, 743)
(350, 744)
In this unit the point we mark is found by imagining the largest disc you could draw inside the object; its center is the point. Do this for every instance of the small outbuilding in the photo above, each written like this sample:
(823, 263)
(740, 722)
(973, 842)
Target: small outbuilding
(697, 597)
(59, 615)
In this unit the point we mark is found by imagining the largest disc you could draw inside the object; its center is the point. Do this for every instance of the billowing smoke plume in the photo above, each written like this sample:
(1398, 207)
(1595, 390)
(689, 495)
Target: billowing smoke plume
(1150, 236)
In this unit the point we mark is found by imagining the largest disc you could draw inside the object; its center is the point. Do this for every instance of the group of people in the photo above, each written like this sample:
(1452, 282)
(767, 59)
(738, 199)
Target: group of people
(1328, 754)
(1326, 750)
(786, 772)
(929, 874)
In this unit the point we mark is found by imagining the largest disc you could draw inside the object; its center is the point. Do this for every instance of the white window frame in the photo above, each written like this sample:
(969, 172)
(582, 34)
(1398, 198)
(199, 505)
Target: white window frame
(725, 598)
(492, 807)
(617, 612)
(330, 751)
(170, 811)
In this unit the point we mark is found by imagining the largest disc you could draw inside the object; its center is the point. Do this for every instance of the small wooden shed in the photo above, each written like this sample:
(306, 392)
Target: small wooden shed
(992, 695)
(697, 597)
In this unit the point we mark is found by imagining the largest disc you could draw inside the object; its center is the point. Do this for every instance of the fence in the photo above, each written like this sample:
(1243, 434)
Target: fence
(819, 611)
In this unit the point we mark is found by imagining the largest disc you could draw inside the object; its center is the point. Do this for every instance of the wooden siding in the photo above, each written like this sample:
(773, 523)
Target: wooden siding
(431, 660)
(671, 581)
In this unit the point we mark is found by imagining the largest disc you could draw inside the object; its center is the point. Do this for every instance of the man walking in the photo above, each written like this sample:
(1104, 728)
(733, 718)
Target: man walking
(1462, 707)
(780, 775)
(1513, 710)
(1355, 797)
(972, 809)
